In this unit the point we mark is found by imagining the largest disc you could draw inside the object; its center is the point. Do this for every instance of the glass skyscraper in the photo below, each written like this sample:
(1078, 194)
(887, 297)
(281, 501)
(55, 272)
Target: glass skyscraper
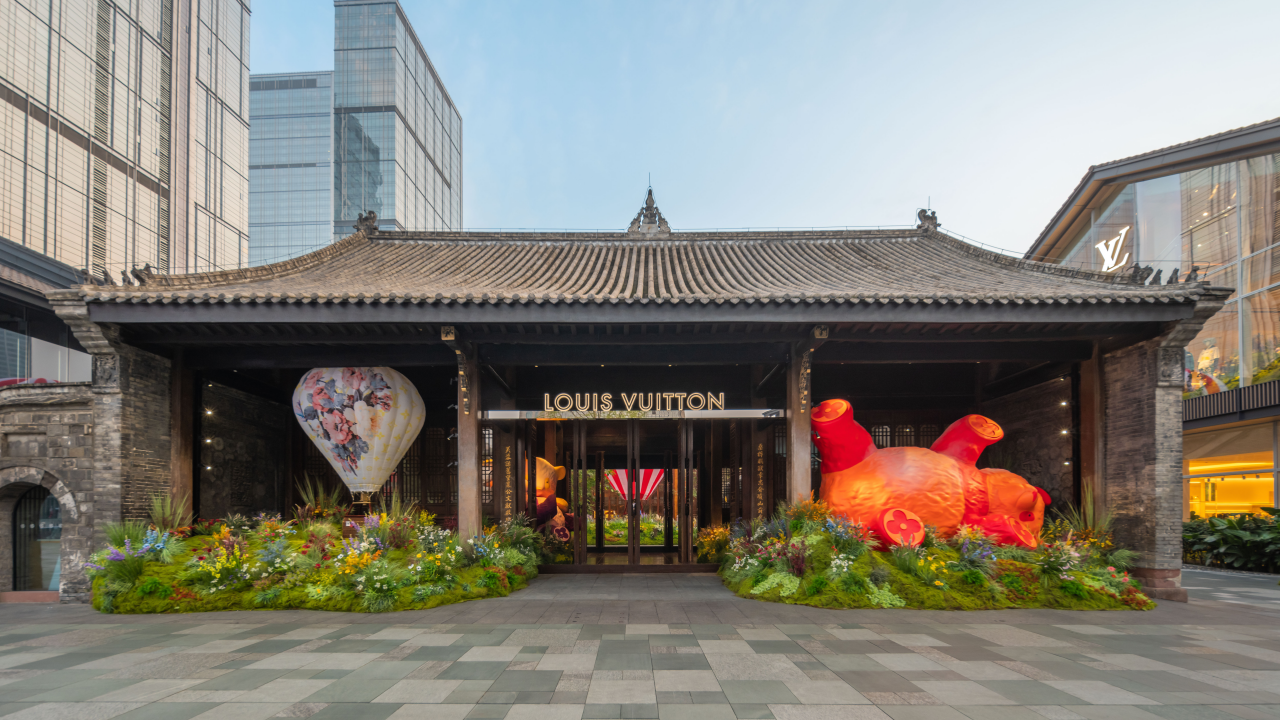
(397, 134)
(124, 137)
(290, 165)
(394, 140)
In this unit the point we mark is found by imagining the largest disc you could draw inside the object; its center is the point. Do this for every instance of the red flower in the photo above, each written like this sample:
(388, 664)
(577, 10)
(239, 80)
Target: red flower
(317, 564)
(338, 427)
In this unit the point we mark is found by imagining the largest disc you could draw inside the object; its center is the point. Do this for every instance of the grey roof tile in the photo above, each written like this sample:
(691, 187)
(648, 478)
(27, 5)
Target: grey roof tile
(860, 266)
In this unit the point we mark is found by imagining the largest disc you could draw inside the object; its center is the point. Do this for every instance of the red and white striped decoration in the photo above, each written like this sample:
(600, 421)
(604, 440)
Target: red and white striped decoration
(619, 480)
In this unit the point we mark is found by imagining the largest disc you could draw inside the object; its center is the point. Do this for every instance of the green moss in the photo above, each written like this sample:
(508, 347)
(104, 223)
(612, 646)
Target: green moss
(960, 592)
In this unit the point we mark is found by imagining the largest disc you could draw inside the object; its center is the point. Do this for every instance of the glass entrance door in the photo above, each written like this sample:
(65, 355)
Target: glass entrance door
(624, 487)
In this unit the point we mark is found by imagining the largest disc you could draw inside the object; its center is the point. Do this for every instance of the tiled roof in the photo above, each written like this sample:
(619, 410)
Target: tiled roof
(861, 266)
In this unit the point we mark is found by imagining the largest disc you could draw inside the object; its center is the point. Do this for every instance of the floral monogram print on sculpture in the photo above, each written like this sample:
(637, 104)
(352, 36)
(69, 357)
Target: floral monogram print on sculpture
(363, 419)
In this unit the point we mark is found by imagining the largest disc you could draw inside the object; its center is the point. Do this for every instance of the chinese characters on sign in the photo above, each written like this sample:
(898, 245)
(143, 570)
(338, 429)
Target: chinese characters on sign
(508, 485)
(760, 480)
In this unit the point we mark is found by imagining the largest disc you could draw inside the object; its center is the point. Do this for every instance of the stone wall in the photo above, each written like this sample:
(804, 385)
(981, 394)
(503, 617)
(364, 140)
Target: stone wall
(46, 438)
(1034, 445)
(243, 463)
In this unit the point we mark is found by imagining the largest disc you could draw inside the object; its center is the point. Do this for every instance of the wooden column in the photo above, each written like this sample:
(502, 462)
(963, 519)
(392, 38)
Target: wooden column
(798, 433)
(1092, 457)
(469, 517)
(799, 398)
(181, 430)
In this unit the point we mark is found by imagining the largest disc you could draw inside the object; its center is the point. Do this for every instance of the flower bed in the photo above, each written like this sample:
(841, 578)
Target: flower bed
(400, 561)
(805, 556)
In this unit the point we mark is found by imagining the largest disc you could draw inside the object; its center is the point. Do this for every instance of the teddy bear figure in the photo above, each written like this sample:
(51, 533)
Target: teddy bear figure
(551, 510)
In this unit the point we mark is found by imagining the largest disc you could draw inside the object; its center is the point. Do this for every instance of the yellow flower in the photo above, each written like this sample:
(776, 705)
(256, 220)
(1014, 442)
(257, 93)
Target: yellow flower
(938, 583)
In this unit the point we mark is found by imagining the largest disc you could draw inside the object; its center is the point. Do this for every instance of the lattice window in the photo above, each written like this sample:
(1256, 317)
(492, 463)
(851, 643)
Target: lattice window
(929, 434)
(882, 434)
(904, 436)
(407, 478)
(439, 464)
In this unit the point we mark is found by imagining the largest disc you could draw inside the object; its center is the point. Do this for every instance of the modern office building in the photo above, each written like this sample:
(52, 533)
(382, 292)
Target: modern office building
(290, 165)
(123, 144)
(394, 148)
(397, 134)
(1210, 207)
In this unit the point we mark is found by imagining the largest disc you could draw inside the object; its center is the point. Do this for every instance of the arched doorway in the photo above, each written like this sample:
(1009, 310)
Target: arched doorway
(37, 540)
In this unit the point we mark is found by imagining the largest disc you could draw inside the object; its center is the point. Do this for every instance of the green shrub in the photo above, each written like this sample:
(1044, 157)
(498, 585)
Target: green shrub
(1241, 542)
(816, 585)
(1075, 589)
(974, 577)
(154, 586)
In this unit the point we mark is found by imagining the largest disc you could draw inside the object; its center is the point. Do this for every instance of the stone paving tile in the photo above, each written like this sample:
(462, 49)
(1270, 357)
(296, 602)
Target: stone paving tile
(719, 656)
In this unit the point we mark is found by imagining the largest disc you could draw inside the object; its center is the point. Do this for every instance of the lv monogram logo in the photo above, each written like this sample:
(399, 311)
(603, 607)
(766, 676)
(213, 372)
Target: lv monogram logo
(1109, 249)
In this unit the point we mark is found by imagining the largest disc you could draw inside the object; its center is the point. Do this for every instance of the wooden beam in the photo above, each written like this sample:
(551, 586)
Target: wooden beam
(304, 356)
(659, 355)
(976, 351)
(579, 313)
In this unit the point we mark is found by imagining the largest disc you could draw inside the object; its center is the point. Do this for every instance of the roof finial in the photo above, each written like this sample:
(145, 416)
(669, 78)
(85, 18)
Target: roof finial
(649, 220)
(928, 220)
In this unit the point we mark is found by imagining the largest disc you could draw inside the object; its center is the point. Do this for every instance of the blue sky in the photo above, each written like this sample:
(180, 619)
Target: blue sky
(799, 114)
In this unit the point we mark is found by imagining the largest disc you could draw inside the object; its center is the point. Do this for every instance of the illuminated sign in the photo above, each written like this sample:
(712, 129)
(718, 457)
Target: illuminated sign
(645, 402)
(1110, 250)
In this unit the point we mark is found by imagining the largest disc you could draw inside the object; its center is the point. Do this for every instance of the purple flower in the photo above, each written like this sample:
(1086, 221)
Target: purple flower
(115, 554)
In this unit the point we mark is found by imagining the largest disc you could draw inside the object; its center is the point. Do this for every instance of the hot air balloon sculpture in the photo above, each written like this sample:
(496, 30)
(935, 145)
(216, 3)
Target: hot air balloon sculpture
(363, 419)
(620, 481)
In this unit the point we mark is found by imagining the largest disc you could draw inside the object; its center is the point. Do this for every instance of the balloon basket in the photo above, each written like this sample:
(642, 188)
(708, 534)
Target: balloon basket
(351, 525)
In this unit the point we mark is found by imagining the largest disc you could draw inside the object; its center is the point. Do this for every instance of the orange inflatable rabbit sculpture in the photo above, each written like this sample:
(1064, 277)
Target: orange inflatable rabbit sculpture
(898, 491)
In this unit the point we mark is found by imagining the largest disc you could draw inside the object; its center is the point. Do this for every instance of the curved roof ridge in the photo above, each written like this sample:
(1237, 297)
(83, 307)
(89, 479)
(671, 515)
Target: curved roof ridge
(283, 268)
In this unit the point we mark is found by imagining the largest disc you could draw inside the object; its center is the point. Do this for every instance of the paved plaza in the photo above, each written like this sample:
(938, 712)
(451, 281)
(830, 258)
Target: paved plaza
(673, 647)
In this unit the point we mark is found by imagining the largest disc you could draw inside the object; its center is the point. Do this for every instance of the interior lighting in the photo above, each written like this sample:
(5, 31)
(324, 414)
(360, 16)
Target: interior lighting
(1067, 462)
(208, 467)
(1064, 402)
(208, 440)
(1064, 432)
(208, 412)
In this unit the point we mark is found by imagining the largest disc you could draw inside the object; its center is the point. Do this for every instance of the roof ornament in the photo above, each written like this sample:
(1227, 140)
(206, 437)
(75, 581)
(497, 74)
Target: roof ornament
(1173, 277)
(367, 223)
(143, 275)
(1156, 280)
(928, 220)
(1194, 275)
(649, 220)
(1139, 275)
(124, 277)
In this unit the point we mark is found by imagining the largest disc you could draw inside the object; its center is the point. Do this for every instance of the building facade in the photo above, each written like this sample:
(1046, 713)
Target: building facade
(124, 131)
(397, 133)
(125, 142)
(290, 165)
(694, 355)
(1207, 207)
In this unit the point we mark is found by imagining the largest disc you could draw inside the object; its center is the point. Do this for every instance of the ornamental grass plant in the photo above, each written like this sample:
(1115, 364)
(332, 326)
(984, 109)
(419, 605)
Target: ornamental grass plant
(805, 557)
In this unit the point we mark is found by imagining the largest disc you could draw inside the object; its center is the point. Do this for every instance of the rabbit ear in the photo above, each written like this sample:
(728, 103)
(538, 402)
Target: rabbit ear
(1044, 495)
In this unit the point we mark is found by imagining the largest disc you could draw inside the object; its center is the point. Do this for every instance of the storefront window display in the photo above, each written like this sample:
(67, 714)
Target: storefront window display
(1213, 357)
(1229, 471)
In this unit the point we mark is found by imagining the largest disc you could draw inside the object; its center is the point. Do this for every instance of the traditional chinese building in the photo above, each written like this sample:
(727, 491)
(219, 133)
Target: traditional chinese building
(670, 372)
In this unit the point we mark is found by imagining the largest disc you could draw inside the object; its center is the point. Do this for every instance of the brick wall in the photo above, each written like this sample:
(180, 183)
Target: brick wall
(46, 438)
(242, 467)
(1130, 487)
(1033, 445)
(144, 430)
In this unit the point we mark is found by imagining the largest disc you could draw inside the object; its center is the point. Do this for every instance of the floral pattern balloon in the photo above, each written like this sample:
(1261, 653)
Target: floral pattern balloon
(362, 418)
